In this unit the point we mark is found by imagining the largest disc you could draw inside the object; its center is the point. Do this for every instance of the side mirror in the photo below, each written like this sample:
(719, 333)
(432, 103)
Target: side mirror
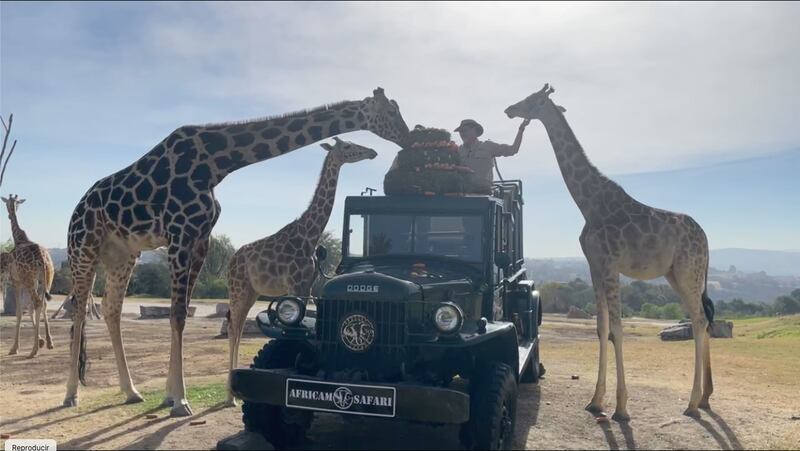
(321, 253)
(502, 260)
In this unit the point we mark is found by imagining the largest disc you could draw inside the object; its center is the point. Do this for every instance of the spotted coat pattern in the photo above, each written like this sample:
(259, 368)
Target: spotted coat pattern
(166, 198)
(30, 270)
(624, 236)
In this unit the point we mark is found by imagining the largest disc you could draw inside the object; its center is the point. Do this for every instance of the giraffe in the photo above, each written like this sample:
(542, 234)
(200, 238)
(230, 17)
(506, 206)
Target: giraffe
(622, 235)
(31, 269)
(166, 198)
(284, 263)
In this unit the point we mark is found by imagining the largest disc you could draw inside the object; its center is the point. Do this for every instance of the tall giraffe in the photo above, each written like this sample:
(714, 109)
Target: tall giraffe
(166, 198)
(284, 263)
(31, 269)
(622, 235)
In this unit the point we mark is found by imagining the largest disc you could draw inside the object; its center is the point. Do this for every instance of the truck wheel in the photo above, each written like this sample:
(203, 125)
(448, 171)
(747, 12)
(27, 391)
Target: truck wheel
(280, 426)
(493, 409)
(533, 371)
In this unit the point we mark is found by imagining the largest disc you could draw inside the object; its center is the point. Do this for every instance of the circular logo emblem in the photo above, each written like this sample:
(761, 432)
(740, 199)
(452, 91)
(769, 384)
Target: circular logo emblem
(343, 398)
(357, 332)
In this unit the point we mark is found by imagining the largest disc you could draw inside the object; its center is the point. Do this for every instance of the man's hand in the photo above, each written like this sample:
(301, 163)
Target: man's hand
(524, 124)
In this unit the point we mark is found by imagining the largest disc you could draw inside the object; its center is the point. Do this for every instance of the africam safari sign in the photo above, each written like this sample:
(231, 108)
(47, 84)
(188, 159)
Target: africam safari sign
(352, 399)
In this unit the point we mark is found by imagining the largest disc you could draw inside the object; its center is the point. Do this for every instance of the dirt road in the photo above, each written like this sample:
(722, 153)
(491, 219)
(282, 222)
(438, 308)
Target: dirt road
(756, 394)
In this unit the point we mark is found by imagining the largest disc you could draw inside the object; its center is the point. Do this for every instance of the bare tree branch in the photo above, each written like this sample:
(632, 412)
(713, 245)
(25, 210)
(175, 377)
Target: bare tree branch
(7, 129)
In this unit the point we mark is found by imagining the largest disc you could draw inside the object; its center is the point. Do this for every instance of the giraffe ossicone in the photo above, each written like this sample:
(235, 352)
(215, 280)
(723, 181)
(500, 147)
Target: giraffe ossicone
(624, 236)
(166, 198)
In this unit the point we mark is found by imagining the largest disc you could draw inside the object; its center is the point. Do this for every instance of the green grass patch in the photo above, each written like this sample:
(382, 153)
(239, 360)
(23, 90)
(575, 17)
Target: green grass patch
(199, 397)
(775, 327)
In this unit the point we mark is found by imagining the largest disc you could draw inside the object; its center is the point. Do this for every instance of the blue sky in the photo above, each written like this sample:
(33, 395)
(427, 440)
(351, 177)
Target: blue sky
(690, 107)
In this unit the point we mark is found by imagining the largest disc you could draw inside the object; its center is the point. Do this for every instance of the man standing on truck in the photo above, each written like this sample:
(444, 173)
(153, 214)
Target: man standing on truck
(479, 155)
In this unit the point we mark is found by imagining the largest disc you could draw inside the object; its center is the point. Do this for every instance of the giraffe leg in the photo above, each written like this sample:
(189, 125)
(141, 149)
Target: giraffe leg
(598, 281)
(240, 304)
(685, 285)
(184, 275)
(708, 383)
(36, 312)
(117, 279)
(47, 335)
(83, 274)
(615, 314)
(18, 300)
(194, 272)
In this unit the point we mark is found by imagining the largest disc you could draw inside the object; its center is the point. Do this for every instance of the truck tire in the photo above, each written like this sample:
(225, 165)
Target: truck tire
(280, 426)
(493, 409)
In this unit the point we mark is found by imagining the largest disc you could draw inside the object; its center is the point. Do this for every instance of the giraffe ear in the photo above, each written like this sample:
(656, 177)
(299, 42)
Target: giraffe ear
(4, 199)
(21, 201)
(326, 146)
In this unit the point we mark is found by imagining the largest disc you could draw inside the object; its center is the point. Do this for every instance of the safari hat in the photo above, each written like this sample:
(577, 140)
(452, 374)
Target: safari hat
(470, 123)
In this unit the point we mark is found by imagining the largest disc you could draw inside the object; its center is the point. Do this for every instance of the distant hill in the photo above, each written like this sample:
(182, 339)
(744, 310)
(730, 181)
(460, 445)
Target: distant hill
(59, 255)
(750, 274)
(774, 263)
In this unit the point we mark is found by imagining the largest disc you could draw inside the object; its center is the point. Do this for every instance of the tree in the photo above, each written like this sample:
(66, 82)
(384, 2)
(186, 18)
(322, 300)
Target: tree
(220, 252)
(796, 294)
(787, 305)
(151, 279)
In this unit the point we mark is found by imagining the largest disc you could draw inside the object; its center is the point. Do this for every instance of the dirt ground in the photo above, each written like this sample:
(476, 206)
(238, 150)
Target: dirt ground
(757, 393)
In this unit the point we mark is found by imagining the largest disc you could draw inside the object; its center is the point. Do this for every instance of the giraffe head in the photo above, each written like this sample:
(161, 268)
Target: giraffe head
(383, 117)
(533, 106)
(348, 152)
(12, 202)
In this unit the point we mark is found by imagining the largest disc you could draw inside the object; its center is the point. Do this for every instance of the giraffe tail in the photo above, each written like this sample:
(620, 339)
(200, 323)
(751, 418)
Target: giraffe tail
(82, 357)
(708, 304)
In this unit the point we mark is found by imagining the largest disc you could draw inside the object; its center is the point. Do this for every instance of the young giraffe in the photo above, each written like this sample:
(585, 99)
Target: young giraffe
(622, 235)
(284, 263)
(31, 269)
(166, 198)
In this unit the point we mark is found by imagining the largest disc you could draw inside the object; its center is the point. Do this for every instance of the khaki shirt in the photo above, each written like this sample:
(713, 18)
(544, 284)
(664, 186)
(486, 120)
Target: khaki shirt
(480, 158)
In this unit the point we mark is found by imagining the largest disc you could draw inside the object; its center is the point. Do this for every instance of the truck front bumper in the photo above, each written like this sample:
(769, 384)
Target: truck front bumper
(409, 401)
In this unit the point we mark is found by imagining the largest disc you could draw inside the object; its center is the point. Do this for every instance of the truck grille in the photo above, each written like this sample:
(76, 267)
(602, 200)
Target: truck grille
(386, 350)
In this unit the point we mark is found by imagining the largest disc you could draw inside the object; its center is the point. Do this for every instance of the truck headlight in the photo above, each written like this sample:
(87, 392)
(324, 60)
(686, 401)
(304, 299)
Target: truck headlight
(290, 311)
(448, 318)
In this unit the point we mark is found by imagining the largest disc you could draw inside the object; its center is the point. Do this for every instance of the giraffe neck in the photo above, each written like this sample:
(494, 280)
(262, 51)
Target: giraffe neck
(584, 181)
(228, 147)
(316, 216)
(16, 231)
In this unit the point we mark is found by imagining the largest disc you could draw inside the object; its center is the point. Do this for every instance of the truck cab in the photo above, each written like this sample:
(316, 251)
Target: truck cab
(430, 317)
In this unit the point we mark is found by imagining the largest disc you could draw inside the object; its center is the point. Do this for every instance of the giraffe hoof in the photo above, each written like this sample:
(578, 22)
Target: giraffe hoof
(50, 346)
(41, 343)
(12, 352)
(705, 405)
(134, 398)
(594, 409)
(181, 409)
(693, 413)
(621, 417)
(70, 401)
(31, 355)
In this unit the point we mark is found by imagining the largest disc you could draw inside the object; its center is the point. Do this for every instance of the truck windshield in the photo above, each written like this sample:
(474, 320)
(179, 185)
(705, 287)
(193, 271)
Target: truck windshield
(384, 234)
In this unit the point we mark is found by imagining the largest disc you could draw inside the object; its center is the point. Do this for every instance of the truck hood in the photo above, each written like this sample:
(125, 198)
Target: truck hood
(398, 282)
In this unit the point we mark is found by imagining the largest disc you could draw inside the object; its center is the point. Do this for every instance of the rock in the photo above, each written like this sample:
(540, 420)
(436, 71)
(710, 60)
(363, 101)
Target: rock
(244, 441)
(250, 328)
(158, 311)
(5, 436)
(221, 310)
(197, 423)
(575, 377)
(151, 416)
(576, 313)
(683, 331)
